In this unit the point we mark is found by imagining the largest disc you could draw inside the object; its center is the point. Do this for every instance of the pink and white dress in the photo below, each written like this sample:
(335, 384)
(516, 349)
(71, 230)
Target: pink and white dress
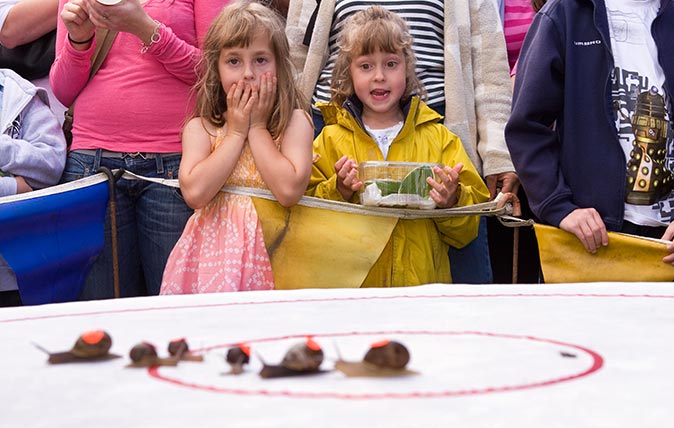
(222, 247)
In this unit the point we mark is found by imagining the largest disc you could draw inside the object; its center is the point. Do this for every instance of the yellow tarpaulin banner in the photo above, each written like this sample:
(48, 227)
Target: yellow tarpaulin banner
(627, 258)
(319, 248)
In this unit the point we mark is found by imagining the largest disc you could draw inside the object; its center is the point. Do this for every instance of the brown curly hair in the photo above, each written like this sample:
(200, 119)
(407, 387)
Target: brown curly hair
(365, 32)
(236, 26)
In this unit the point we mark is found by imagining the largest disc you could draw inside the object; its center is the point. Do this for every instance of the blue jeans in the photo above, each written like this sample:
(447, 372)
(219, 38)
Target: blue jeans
(471, 264)
(319, 122)
(150, 219)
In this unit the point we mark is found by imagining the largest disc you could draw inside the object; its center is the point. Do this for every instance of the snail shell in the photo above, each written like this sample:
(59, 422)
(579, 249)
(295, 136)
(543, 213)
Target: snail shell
(388, 354)
(303, 357)
(143, 351)
(237, 356)
(177, 346)
(94, 343)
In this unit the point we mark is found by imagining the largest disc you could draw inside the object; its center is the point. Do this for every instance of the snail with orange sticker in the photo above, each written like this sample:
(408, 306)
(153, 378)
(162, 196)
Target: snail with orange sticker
(385, 358)
(237, 357)
(301, 359)
(92, 345)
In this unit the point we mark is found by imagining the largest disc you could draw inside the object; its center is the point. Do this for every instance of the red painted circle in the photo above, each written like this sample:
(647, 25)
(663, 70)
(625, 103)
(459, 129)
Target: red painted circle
(596, 363)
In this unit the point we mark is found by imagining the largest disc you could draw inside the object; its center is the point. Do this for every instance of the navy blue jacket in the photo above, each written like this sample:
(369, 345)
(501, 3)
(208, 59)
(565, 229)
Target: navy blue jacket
(563, 77)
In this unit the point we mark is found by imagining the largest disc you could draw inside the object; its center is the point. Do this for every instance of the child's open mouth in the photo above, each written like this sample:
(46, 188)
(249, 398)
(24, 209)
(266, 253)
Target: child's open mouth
(379, 93)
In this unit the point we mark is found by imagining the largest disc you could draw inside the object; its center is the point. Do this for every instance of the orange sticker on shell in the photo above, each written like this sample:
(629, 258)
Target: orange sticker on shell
(93, 337)
(245, 348)
(312, 345)
(381, 343)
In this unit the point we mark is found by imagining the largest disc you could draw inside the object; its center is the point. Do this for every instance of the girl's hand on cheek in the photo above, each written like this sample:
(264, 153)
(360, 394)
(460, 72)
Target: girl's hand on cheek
(240, 101)
(265, 103)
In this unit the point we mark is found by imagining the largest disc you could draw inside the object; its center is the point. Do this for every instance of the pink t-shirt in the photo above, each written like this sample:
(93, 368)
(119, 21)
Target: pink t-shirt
(135, 102)
(517, 17)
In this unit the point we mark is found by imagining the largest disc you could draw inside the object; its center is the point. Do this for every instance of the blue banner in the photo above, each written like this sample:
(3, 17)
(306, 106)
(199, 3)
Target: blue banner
(51, 237)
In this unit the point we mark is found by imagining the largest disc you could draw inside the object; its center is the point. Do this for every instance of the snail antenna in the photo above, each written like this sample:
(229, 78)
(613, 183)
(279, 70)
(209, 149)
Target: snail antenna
(40, 348)
(339, 354)
(259, 357)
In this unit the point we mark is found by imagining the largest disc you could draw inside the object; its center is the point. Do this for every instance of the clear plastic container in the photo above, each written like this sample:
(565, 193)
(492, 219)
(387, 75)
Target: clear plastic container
(396, 184)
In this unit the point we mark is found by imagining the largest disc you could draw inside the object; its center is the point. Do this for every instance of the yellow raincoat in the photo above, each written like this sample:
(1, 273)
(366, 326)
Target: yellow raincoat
(416, 253)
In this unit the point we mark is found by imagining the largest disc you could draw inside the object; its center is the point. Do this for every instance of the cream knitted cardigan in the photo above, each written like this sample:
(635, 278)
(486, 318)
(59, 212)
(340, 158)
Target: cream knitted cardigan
(477, 83)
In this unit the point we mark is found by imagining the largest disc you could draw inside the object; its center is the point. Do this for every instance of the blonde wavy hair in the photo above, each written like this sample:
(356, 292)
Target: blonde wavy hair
(366, 32)
(236, 26)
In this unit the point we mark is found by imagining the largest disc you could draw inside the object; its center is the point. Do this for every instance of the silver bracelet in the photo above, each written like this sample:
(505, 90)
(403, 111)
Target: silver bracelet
(155, 38)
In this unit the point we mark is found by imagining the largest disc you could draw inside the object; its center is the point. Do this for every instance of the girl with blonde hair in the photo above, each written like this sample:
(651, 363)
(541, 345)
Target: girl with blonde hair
(375, 114)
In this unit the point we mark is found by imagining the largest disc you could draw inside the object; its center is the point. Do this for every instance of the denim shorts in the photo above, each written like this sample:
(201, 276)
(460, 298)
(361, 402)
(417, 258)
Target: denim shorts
(150, 219)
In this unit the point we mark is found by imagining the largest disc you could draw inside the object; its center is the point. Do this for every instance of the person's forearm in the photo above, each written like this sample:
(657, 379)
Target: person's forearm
(28, 20)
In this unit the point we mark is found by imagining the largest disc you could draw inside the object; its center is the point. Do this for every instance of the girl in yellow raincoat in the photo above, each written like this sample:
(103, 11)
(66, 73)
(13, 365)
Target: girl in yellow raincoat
(374, 115)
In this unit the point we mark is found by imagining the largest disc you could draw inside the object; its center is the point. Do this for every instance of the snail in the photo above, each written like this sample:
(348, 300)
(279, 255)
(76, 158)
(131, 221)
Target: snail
(179, 350)
(177, 347)
(383, 359)
(143, 351)
(144, 354)
(237, 357)
(306, 356)
(92, 345)
(388, 354)
(302, 358)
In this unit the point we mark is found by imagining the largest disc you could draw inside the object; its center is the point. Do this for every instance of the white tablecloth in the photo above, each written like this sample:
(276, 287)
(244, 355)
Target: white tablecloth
(568, 355)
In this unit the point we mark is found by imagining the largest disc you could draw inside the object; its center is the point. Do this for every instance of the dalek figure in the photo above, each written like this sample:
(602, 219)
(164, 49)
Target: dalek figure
(648, 178)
